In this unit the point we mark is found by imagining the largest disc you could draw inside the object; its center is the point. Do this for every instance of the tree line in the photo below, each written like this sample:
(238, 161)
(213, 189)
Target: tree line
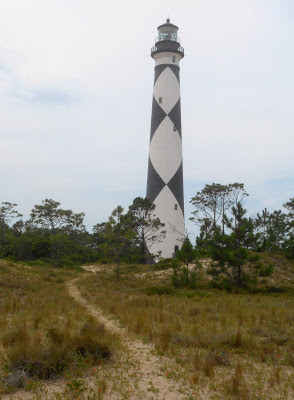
(56, 236)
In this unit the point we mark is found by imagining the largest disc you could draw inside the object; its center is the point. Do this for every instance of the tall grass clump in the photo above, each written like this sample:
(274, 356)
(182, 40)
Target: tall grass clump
(51, 356)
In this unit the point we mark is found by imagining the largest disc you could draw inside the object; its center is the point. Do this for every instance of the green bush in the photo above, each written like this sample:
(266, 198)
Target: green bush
(223, 284)
(266, 270)
(164, 264)
(179, 279)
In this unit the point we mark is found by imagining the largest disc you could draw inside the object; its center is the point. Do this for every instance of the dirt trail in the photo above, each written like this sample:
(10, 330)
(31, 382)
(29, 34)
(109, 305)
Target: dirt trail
(148, 369)
(137, 374)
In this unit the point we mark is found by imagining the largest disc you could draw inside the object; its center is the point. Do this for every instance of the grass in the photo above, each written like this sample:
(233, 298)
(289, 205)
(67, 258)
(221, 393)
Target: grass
(223, 345)
(235, 345)
(44, 334)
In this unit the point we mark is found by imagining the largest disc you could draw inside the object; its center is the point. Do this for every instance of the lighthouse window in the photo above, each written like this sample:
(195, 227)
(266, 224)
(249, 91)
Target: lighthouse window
(176, 249)
(160, 100)
(176, 206)
(174, 59)
(175, 129)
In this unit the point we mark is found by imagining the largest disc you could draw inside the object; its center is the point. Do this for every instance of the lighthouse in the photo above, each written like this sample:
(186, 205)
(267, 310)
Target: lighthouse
(165, 165)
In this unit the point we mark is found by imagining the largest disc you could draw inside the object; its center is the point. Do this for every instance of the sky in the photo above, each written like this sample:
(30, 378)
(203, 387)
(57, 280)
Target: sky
(76, 83)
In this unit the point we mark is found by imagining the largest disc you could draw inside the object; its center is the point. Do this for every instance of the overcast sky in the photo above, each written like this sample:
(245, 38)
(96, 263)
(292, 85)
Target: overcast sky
(76, 82)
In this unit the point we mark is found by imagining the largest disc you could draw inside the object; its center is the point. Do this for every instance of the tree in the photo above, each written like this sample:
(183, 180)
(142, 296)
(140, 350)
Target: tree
(272, 229)
(207, 204)
(224, 202)
(186, 255)
(119, 233)
(211, 205)
(237, 195)
(41, 248)
(290, 208)
(18, 228)
(214, 200)
(61, 232)
(261, 226)
(98, 235)
(48, 215)
(289, 240)
(101, 233)
(73, 223)
(231, 251)
(146, 226)
(7, 213)
(19, 247)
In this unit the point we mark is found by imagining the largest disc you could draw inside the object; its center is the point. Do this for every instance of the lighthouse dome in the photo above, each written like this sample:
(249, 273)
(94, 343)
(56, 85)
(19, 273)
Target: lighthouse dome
(167, 40)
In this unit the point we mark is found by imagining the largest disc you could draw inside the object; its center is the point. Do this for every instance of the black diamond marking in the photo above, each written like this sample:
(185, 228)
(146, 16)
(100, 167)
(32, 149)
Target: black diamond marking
(154, 182)
(175, 117)
(176, 71)
(177, 187)
(160, 68)
(158, 116)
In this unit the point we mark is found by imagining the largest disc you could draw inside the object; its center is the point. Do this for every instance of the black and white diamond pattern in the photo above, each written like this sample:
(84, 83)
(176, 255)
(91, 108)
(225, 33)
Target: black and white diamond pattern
(165, 154)
(167, 87)
(165, 170)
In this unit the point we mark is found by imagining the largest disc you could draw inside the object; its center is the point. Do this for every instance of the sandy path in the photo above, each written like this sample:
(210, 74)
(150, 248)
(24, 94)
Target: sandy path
(138, 373)
(151, 381)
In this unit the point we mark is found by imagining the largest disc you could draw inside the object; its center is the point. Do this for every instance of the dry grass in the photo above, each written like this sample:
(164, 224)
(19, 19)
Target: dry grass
(44, 334)
(223, 345)
(211, 334)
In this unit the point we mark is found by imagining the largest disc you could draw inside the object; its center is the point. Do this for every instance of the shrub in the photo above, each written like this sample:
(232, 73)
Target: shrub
(51, 357)
(266, 270)
(164, 264)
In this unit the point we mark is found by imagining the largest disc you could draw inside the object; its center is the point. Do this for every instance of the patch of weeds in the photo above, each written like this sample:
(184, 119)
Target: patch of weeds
(220, 357)
(266, 270)
(127, 269)
(76, 385)
(197, 361)
(165, 337)
(290, 359)
(195, 378)
(31, 359)
(101, 385)
(237, 387)
(208, 367)
(160, 290)
(275, 377)
(183, 340)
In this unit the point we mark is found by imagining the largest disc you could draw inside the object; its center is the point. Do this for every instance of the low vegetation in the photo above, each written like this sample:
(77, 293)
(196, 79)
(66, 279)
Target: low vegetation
(225, 344)
(44, 334)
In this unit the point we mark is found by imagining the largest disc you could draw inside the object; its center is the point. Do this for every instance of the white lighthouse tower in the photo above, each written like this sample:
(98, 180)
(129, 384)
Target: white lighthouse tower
(165, 168)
